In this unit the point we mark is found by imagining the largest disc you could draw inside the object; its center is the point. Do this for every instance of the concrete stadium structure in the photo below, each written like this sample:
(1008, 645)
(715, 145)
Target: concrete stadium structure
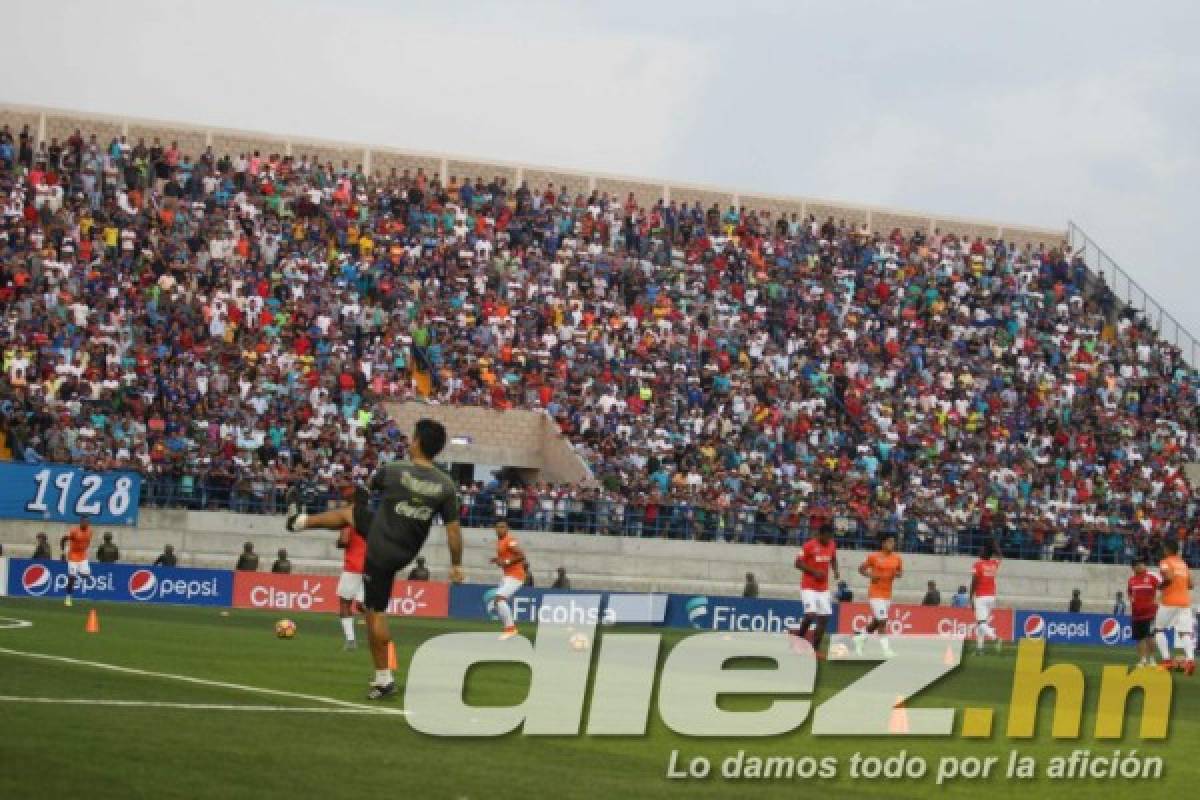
(214, 539)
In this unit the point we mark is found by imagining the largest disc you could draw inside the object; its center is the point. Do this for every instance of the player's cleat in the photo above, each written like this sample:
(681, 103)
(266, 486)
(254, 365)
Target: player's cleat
(351, 644)
(508, 633)
(67, 601)
(1166, 666)
(1189, 668)
(293, 508)
(381, 692)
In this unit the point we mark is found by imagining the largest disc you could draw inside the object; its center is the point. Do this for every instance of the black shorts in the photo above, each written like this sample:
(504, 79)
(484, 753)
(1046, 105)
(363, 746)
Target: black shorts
(1142, 629)
(385, 557)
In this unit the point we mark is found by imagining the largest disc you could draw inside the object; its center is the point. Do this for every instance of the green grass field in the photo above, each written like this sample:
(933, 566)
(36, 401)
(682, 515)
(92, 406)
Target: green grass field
(208, 749)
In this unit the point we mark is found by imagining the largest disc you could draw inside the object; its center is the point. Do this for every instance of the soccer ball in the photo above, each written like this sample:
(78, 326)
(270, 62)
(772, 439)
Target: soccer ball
(285, 629)
(579, 642)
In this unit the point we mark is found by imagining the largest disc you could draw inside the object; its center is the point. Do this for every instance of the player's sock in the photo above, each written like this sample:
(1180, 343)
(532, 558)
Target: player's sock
(1188, 642)
(348, 628)
(1164, 649)
(980, 635)
(505, 612)
(383, 677)
(818, 633)
(884, 643)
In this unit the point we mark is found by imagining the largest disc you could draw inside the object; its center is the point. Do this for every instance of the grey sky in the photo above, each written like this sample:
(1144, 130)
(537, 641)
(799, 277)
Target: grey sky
(1030, 112)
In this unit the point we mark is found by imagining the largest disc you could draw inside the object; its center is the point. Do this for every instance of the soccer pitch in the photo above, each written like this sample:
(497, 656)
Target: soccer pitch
(191, 702)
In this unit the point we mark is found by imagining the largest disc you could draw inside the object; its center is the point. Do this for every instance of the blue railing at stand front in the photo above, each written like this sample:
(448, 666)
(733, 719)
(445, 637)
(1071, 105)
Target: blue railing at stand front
(685, 522)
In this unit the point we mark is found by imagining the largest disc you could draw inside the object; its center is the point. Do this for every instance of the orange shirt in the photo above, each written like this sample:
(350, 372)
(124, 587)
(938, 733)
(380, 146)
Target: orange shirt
(506, 549)
(1175, 582)
(882, 568)
(78, 541)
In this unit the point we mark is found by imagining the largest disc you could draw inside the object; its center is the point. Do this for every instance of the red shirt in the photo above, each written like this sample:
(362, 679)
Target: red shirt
(354, 557)
(985, 577)
(1143, 596)
(819, 557)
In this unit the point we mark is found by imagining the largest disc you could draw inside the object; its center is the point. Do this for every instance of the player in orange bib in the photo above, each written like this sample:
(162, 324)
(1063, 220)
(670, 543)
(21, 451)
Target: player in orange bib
(512, 562)
(881, 568)
(76, 544)
(1175, 611)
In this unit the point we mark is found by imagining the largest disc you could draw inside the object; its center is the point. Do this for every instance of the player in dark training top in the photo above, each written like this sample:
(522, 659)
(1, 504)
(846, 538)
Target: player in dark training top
(411, 493)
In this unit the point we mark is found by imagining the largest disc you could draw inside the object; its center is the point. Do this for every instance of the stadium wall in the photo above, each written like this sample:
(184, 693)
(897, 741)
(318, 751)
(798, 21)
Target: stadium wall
(47, 123)
(213, 539)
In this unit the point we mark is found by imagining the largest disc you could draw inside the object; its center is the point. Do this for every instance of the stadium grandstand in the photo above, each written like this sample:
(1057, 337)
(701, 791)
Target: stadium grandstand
(231, 314)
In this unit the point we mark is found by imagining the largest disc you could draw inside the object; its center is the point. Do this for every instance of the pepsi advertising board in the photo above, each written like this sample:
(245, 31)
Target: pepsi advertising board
(1065, 628)
(123, 583)
(63, 493)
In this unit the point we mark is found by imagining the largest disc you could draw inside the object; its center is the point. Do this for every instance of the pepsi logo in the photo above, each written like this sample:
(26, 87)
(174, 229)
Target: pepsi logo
(1035, 626)
(1110, 631)
(142, 584)
(35, 580)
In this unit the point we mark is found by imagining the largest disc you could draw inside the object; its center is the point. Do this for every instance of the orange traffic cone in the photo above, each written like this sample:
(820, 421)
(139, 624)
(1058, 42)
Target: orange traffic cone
(391, 655)
(899, 721)
(948, 659)
(93, 622)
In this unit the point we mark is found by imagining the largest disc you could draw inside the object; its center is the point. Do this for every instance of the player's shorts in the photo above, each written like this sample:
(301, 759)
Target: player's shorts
(350, 586)
(79, 568)
(1177, 618)
(508, 587)
(983, 608)
(1142, 629)
(817, 602)
(880, 607)
(385, 557)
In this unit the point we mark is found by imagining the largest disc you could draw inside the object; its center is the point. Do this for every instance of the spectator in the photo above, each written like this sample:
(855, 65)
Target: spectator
(420, 572)
(248, 560)
(751, 587)
(107, 552)
(932, 596)
(41, 548)
(282, 566)
(961, 599)
(1076, 604)
(167, 557)
(561, 581)
(1120, 609)
(844, 594)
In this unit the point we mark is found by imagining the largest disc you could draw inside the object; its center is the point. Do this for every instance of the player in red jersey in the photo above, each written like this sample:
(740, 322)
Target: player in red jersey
(983, 596)
(1143, 608)
(350, 584)
(816, 560)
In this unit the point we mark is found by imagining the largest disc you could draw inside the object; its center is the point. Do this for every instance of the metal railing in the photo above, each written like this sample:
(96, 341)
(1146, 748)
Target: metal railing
(739, 524)
(1130, 293)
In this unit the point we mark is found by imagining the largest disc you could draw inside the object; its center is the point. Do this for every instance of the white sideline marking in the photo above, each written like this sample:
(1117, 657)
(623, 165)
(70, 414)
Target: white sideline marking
(84, 701)
(204, 682)
(13, 622)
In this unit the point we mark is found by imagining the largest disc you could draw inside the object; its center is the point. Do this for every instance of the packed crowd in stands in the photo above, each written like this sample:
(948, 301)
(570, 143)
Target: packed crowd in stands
(228, 324)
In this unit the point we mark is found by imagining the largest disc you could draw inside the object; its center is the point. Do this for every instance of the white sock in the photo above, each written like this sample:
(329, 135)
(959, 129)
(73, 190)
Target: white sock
(883, 642)
(301, 522)
(1164, 650)
(348, 628)
(1188, 642)
(505, 612)
(979, 635)
(383, 677)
